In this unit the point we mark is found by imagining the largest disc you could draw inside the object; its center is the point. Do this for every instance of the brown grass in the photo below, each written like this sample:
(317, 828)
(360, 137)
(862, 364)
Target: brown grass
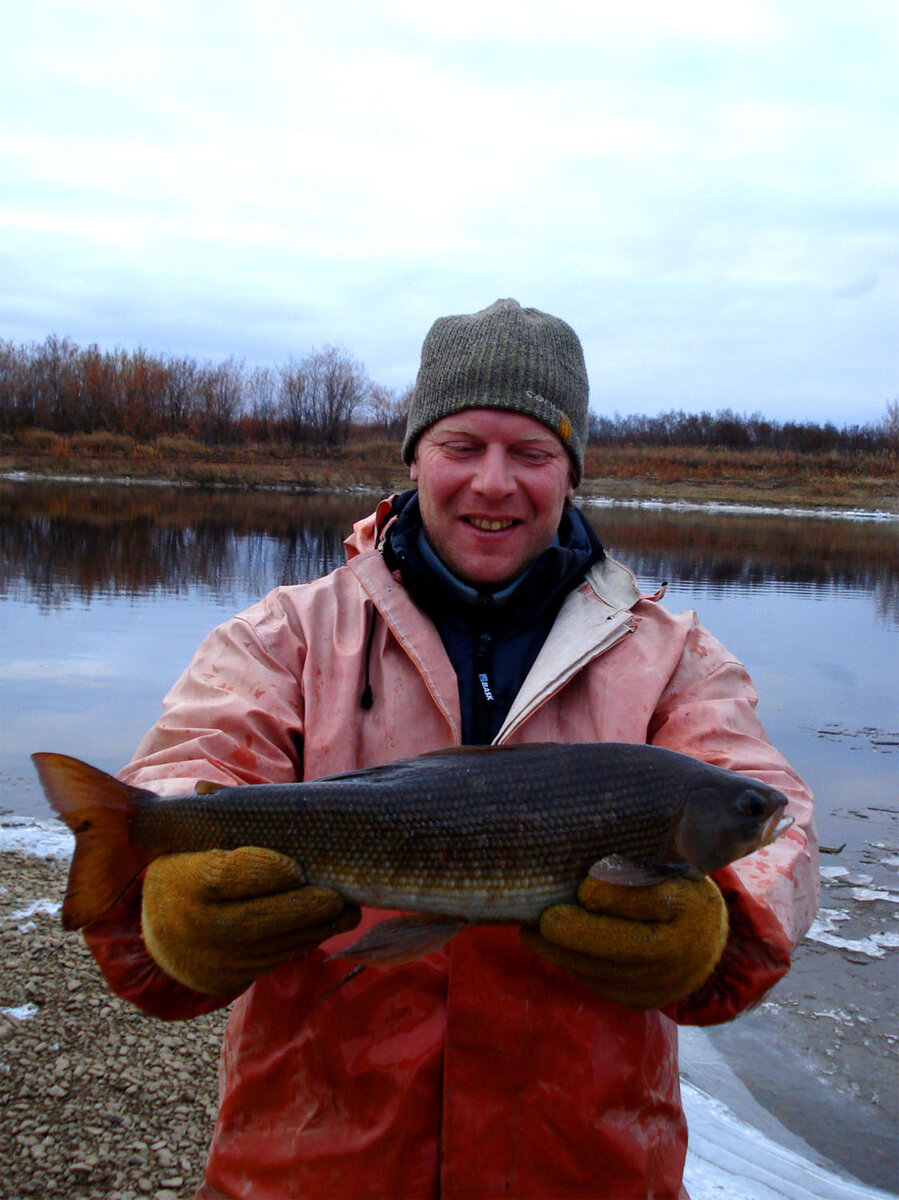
(832, 479)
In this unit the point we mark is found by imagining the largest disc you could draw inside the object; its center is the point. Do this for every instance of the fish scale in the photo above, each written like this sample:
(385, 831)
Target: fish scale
(484, 834)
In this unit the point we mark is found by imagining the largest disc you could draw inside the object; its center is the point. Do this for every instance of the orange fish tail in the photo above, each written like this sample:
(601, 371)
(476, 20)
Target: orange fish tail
(98, 809)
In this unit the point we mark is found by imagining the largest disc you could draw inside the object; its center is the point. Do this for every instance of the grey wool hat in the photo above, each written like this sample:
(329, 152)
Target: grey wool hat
(505, 357)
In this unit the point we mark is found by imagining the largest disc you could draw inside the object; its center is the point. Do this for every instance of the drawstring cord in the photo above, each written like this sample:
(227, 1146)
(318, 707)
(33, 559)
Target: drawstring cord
(367, 699)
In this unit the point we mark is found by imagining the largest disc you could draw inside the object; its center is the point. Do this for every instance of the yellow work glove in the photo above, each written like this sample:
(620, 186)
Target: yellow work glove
(216, 920)
(643, 947)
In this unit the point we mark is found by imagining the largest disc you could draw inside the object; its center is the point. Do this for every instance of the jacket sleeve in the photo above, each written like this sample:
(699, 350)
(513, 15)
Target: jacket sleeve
(708, 710)
(234, 716)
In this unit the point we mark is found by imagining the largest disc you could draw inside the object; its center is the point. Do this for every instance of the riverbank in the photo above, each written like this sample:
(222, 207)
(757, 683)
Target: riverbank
(759, 478)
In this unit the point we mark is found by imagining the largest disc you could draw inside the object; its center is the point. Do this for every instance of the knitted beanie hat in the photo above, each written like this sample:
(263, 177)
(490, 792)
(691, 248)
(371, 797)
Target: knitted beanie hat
(505, 357)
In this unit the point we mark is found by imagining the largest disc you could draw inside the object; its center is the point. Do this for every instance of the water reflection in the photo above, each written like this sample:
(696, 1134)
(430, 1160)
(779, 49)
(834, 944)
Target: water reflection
(105, 592)
(743, 551)
(61, 541)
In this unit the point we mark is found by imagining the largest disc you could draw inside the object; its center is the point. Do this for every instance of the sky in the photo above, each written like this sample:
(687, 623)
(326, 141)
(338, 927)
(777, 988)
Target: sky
(707, 192)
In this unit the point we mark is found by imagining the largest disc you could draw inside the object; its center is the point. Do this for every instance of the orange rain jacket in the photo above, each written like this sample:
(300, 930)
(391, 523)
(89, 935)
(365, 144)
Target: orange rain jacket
(481, 1070)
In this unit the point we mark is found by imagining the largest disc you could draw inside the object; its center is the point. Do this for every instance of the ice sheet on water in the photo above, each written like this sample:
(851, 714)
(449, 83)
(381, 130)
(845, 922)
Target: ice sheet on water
(824, 931)
(753, 510)
(730, 1160)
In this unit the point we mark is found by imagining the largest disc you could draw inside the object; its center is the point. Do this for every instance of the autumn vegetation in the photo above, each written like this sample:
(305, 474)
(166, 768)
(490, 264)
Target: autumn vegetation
(319, 421)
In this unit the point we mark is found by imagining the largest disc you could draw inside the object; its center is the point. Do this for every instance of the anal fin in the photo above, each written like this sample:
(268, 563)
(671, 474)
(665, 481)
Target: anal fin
(402, 939)
(615, 868)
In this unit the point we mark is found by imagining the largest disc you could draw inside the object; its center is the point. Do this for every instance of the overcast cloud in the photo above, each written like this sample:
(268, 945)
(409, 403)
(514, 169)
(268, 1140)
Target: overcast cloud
(708, 192)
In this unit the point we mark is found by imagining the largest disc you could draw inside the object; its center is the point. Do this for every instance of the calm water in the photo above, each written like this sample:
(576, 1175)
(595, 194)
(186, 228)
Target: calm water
(106, 591)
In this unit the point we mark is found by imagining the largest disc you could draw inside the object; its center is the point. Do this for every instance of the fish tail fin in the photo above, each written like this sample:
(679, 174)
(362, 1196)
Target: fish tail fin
(98, 809)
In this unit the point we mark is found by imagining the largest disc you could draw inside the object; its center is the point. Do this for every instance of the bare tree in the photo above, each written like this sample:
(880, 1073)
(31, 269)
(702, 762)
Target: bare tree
(260, 402)
(16, 407)
(99, 389)
(221, 400)
(294, 403)
(55, 378)
(389, 410)
(890, 424)
(181, 395)
(336, 385)
(143, 377)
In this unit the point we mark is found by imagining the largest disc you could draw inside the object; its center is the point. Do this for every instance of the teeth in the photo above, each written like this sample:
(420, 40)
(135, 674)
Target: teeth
(490, 526)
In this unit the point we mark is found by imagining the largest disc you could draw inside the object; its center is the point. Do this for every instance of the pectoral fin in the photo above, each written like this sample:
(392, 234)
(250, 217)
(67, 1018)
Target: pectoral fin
(626, 873)
(402, 939)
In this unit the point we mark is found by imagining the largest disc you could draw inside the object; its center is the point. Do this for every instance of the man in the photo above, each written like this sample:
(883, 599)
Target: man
(479, 607)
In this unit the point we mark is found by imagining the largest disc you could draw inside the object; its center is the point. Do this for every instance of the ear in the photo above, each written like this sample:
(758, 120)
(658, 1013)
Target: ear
(413, 470)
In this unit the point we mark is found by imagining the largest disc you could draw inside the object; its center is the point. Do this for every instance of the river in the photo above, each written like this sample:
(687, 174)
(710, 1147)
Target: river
(106, 590)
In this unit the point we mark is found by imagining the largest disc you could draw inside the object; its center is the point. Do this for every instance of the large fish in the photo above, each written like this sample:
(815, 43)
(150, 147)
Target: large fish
(468, 834)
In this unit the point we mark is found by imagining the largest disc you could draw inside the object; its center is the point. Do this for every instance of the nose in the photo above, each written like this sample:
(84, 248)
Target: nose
(494, 477)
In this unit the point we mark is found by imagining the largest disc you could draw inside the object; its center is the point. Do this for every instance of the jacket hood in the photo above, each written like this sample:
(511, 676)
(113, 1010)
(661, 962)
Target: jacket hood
(367, 532)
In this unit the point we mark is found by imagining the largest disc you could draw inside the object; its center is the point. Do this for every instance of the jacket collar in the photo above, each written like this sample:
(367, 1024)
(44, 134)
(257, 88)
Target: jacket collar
(593, 618)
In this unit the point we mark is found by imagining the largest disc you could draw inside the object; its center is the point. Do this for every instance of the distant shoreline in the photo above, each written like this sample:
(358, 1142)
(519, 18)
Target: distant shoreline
(772, 505)
(813, 484)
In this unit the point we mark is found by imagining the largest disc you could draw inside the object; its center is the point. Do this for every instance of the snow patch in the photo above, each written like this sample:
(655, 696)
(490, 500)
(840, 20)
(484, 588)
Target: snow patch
(23, 1013)
(754, 510)
(44, 839)
(39, 907)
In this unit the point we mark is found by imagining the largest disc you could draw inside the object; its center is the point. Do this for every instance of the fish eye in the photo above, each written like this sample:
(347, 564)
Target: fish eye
(751, 804)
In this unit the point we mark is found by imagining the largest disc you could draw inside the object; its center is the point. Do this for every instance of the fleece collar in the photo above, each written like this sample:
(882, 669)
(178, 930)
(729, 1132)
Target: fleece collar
(435, 588)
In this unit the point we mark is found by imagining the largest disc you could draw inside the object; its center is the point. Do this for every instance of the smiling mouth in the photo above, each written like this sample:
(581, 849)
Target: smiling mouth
(488, 526)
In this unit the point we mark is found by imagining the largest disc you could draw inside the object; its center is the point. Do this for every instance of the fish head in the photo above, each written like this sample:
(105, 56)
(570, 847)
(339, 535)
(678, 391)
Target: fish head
(727, 820)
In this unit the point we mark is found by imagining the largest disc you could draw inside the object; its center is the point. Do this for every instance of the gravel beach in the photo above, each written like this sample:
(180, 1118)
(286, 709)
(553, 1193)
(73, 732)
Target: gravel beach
(97, 1100)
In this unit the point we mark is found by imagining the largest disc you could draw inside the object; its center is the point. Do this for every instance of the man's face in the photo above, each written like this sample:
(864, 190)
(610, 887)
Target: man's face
(492, 486)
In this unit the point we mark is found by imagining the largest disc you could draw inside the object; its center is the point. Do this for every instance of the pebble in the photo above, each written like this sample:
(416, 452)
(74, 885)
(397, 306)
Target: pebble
(98, 1099)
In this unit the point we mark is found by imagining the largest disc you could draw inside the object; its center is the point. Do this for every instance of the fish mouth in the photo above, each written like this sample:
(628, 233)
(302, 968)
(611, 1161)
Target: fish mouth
(774, 827)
